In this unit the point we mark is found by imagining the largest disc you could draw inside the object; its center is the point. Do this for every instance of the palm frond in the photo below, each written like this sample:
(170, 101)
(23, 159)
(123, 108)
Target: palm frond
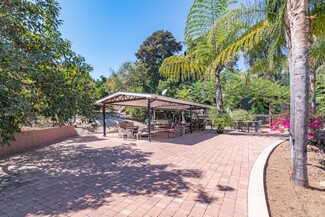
(263, 67)
(244, 43)
(241, 15)
(317, 12)
(318, 27)
(202, 51)
(182, 67)
(317, 50)
(202, 16)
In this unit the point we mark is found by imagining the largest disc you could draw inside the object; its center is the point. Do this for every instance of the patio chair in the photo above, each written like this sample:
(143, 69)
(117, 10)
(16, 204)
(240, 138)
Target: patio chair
(129, 133)
(126, 134)
(143, 132)
(121, 132)
(138, 134)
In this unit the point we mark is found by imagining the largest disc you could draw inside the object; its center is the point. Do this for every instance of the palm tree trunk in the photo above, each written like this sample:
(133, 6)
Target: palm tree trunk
(300, 30)
(292, 87)
(313, 86)
(219, 101)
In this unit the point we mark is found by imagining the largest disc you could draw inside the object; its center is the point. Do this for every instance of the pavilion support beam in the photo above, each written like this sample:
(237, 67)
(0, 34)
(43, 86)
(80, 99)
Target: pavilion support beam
(191, 127)
(104, 119)
(149, 120)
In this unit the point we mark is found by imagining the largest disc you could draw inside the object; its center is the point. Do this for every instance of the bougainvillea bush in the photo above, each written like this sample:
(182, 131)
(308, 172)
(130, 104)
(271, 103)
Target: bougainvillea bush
(316, 134)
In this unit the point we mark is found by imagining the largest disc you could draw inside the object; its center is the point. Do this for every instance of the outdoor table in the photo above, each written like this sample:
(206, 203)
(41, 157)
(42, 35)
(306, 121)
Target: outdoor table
(250, 123)
(131, 131)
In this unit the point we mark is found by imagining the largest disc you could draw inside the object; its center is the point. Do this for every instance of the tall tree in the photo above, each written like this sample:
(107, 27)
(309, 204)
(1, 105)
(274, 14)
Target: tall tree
(297, 13)
(39, 73)
(153, 51)
(99, 83)
(268, 23)
(202, 16)
(273, 18)
(126, 78)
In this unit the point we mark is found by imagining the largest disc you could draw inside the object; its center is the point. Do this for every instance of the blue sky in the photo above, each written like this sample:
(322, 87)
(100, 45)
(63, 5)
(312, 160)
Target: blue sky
(109, 32)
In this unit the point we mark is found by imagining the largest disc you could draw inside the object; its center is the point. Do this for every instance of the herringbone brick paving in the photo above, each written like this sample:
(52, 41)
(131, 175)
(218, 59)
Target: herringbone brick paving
(201, 174)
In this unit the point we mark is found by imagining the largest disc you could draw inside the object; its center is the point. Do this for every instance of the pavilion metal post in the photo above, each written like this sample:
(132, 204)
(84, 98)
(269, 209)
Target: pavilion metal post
(149, 121)
(104, 120)
(191, 130)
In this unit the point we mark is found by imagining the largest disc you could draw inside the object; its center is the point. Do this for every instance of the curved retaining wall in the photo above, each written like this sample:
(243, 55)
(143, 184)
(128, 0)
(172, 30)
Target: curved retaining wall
(36, 138)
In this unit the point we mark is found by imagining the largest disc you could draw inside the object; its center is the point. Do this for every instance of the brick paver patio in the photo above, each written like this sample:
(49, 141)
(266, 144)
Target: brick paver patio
(202, 174)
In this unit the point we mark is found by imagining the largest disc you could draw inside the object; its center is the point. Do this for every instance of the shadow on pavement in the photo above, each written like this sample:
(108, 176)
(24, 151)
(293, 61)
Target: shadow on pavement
(62, 178)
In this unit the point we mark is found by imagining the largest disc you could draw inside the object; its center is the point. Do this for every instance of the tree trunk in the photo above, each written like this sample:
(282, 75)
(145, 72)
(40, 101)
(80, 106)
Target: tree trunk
(292, 86)
(300, 30)
(219, 100)
(313, 86)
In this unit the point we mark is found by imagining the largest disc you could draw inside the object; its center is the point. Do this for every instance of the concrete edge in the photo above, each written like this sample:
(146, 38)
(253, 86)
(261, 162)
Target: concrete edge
(257, 204)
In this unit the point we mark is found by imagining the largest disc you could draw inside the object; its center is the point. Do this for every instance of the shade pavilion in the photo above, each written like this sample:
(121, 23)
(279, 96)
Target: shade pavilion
(149, 101)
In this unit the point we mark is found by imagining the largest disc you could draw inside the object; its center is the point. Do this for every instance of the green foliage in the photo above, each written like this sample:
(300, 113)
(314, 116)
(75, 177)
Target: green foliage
(99, 84)
(200, 91)
(241, 115)
(220, 120)
(233, 88)
(39, 73)
(320, 90)
(317, 50)
(170, 84)
(182, 67)
(139, 114)
(202, 15)
(152, 52)
(317, 10)
(203, 47)
(203, 91)
(243, 43)
(198, 62)
(126, 78)
(183, 93)
(267, 94)
(257, 29)
(263, 93)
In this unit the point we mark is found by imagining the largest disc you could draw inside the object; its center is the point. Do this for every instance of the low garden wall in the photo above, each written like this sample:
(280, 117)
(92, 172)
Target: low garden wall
(35, 138)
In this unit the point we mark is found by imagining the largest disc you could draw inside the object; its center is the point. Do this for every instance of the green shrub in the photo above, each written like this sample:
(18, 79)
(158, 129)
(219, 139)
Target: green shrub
(220, 120)
(139, 114)
(241, 115)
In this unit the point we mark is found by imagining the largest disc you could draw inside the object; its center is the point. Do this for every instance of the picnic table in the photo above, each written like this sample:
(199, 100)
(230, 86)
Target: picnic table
(247, 124)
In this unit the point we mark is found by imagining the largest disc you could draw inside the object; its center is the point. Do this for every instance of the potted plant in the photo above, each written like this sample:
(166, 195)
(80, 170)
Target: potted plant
(220, 121)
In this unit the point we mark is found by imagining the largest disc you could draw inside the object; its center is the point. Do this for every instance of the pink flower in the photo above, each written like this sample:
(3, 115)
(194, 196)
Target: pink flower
(285, 123)
(310, 135)
(316, 124)
(274, 127)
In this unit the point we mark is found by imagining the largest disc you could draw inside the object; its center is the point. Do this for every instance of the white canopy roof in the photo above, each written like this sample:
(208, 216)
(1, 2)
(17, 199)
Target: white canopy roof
(140, 100)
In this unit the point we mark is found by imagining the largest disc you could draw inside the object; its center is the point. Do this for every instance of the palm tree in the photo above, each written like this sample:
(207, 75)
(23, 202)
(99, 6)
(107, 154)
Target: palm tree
(271, 21)
(197, 62)
(297, 13)
(278, 21)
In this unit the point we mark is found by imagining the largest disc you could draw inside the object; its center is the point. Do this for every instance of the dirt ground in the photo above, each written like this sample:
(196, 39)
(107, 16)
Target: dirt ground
(287, 200)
